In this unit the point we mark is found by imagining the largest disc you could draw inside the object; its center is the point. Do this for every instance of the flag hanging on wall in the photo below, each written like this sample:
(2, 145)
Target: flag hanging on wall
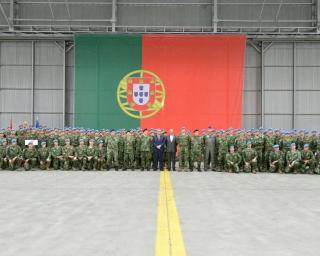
(150, 81)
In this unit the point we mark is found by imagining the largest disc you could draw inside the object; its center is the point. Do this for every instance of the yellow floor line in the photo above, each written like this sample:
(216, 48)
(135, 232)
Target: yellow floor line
(169, 241)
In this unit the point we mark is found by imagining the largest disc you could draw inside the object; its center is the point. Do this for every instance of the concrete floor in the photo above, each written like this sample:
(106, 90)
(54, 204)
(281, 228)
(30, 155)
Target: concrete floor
(114, 213)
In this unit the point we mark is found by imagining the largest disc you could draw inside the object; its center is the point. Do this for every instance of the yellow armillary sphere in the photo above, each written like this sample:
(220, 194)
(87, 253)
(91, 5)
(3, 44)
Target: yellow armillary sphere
(141, 94)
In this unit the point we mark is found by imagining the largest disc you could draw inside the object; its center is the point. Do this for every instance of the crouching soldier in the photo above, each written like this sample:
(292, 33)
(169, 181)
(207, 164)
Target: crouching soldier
(276, 159)
(293, 158)
(250, 158)
(30, 156)
(100, 156)
(68, 155)
(308, 161)
(3, 158)
(44, 156)
(56, 155)
(233, 160)
(80, 159)
(14, 155)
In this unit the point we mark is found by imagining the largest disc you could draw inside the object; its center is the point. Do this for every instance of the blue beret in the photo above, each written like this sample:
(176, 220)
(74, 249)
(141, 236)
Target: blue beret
(43, 143)
(13, 140)
(249, 142)
(306, 145)
(293, 144)
(276, 146)
(55, 140)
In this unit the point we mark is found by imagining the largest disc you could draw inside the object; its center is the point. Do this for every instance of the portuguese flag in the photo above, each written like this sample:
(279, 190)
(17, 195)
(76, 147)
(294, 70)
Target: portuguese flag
(158, 81)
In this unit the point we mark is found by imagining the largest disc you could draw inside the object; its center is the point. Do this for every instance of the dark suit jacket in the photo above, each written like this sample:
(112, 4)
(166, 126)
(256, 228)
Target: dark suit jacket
(156, 142)
(171, 146)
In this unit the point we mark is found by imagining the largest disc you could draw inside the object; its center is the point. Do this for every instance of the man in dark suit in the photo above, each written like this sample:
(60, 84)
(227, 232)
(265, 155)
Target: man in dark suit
(171, 147)
(158, 142)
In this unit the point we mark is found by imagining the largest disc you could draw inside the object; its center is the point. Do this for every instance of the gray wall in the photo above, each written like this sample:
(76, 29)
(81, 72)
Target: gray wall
(34, 77)
(289, 74)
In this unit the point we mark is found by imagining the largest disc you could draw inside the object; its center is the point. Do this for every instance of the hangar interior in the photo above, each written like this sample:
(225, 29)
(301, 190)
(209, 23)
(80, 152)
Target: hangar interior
(282, 65)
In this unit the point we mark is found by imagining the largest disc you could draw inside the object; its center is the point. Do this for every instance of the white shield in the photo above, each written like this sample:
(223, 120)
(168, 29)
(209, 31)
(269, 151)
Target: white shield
(141, 93)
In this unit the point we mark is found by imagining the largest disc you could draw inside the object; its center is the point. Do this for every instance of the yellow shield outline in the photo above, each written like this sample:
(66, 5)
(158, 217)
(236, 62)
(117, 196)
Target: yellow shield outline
(159, 95)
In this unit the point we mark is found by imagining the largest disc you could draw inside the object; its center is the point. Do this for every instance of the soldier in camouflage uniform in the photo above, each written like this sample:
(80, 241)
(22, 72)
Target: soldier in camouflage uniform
(276, 159)
(137, 150)
(233, 160)
(56, 155)
(222, 151)
(44, 156)
(91, 154)
(145, 150)
(196, 146)
(183, 141)
(128, 152)
(121, 136)
(100, 156)
(112, 143)
(293, 159)
(68, 153)
(269, 141)
(80, 159)
(308, 161)
(13, 155)
(30, 156)
(3, 152)
(258, 145)
(250, 157)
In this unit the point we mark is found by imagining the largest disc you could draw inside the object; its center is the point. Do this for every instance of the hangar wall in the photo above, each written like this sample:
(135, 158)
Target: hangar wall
(281, 87)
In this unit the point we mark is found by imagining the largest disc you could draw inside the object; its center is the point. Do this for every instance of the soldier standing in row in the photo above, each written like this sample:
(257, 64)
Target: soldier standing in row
(91, 153)
(128, 152)
(183, 142)
(145, 150)
(112, 144)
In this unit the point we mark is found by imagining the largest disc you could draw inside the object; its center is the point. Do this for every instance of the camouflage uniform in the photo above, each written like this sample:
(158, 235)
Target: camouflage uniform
(57, 158)
(276, 161)
(112, 144)
(250, 160)
(3, 159)
(81, 157)
(91, 154)
(293, 159)
(308, 162)
(30, 156)
(196, 152)
(145, 152)
(44, 157)
(233, 161)
(68, 153)
(100, 158)
(13, 155)
(128, 153)
(183, 141)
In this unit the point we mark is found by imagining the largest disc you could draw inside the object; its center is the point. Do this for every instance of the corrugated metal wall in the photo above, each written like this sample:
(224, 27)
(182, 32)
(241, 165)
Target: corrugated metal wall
(289, 74)
(32, 79)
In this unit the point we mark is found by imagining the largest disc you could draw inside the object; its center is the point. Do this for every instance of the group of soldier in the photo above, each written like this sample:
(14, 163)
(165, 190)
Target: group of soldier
(231, 150)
